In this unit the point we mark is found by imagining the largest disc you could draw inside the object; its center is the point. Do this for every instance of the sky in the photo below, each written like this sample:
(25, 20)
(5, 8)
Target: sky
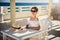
(33, 1)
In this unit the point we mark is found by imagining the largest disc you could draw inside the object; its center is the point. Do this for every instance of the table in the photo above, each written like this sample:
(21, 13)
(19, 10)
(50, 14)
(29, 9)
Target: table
(20, 35)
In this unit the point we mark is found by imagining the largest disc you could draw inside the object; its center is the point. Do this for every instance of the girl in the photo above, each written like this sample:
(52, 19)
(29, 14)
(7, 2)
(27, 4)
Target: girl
(33, 22)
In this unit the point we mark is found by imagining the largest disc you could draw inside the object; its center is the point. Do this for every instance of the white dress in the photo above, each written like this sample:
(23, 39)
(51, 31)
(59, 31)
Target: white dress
(33, 23)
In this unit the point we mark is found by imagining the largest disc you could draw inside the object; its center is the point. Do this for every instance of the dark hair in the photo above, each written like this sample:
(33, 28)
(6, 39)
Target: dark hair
(35, 9)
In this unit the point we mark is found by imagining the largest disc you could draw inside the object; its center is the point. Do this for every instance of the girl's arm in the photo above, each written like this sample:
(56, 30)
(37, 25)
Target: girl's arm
(36, 28)
(26, 26)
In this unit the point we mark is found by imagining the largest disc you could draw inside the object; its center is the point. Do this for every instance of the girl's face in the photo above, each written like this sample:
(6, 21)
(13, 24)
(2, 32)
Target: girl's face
(34, 12)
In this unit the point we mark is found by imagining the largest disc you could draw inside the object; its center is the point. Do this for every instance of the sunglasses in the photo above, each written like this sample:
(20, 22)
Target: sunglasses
(33, 11)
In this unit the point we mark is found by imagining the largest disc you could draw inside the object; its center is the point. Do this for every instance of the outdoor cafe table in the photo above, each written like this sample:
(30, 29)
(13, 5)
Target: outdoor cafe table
(20, 35)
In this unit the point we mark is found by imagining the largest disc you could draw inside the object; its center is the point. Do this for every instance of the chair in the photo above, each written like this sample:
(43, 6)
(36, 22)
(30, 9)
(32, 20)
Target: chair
(46, 25)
